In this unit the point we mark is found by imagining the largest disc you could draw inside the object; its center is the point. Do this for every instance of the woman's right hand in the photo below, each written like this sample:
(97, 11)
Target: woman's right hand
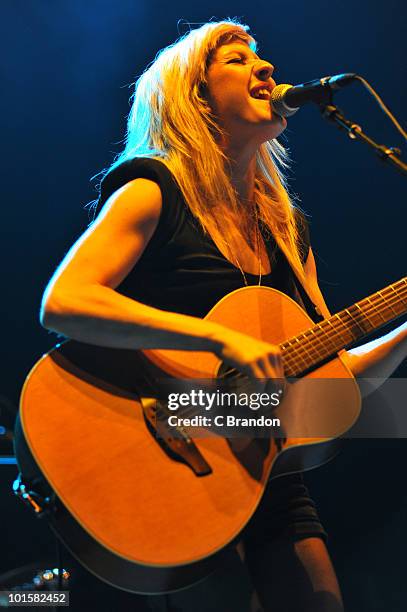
(254, 358)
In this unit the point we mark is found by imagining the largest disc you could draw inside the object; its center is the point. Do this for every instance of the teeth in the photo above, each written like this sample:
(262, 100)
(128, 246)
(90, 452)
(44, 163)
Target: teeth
(262, 93)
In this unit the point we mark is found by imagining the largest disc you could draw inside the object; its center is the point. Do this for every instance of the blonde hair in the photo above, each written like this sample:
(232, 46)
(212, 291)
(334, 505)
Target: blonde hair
(171, 120)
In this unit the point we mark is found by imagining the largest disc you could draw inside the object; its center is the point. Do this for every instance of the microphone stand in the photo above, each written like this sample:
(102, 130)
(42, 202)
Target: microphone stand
(355, 132)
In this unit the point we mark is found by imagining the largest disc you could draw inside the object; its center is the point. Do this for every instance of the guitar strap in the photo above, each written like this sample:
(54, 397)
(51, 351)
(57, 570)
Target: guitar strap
(312, 309)
(311, 305)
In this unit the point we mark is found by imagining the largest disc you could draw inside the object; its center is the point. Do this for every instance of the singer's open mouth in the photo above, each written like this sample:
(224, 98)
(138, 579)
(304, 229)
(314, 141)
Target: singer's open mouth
(261, 92)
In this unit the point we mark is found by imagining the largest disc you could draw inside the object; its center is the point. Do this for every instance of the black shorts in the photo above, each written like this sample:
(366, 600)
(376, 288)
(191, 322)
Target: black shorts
(286, 510)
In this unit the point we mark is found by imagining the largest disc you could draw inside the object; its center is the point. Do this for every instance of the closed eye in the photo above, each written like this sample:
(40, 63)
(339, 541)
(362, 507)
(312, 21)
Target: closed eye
(236, 60)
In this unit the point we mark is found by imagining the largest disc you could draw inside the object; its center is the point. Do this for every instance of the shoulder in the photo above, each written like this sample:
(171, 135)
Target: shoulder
(137, 204)
(143, 194)
(125, 173)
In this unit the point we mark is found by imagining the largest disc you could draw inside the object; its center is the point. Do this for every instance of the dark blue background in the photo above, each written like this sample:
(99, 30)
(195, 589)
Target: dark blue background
(66, 68)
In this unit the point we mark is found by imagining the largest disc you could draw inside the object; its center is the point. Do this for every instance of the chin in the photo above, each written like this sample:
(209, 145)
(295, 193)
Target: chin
(275, 127)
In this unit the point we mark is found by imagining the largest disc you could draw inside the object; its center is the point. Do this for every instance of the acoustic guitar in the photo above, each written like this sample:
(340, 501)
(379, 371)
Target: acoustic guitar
(153, 513)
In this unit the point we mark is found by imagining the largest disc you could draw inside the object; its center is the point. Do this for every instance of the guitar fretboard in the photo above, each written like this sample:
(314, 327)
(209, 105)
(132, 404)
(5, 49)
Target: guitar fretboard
(321, 342)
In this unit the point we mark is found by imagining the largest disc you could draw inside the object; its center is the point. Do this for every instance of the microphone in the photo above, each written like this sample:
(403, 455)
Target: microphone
(286, 99)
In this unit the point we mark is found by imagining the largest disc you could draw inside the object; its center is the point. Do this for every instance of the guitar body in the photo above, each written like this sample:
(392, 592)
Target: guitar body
(130, 513)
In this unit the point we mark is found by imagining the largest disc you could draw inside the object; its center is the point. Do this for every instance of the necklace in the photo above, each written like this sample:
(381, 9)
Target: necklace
(257, 251)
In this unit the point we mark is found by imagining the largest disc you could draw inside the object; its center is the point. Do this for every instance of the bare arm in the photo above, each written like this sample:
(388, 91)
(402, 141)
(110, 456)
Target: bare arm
(80, 300)
(371, 363)
(81, 303)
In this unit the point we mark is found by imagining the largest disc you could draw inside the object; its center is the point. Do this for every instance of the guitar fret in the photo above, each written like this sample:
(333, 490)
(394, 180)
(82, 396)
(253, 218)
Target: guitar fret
(346, 331)
(299, 356)
(313, 342)
(337, 316)
(405, 286)
(377, 309)
(397, 303)
(292, 354)
(386, 300)
(327, 338)
(322, 341)
(353, 319)
(363, 313)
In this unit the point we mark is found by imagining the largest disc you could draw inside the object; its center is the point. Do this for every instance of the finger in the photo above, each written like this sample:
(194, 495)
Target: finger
(258, 371)
(276, 379)
(268, 371)
(265, 374)
(277, 364)
(271, 366)
(258, 379)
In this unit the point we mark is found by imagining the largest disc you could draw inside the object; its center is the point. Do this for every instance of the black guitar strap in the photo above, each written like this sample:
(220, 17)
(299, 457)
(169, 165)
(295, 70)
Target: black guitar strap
(312, 309)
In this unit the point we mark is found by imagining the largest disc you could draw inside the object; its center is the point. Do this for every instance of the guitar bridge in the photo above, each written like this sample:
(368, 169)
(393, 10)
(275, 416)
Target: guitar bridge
(173, 439)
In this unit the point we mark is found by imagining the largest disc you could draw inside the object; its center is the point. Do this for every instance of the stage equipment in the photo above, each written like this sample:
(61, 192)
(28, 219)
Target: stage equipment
(285, 100)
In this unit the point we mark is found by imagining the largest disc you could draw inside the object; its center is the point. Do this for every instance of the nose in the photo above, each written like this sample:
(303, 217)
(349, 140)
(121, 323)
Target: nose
(264, 70)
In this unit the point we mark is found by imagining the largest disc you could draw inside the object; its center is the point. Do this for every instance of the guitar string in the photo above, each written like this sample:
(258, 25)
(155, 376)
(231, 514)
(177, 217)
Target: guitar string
(336, 333)
(323, 338)
(365, 313)
(317, 348)
(295, 354)
(396, 299)
(379, 297)
(317, 336)
(318, 339)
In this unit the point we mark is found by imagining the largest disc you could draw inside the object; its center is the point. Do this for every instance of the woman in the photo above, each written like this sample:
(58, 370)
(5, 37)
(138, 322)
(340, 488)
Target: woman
(195, 207)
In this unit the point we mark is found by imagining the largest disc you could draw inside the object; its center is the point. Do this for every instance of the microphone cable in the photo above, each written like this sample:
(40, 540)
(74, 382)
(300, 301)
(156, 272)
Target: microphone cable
(381, 104)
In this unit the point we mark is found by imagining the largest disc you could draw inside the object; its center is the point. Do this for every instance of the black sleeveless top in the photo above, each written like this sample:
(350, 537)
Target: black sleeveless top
(181, 269)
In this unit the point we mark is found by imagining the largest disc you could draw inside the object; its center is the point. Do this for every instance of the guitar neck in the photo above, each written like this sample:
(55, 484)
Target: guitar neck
(323, 341)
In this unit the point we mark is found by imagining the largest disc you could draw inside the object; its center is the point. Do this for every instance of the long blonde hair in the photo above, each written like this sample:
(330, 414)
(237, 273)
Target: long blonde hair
(171, 120)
